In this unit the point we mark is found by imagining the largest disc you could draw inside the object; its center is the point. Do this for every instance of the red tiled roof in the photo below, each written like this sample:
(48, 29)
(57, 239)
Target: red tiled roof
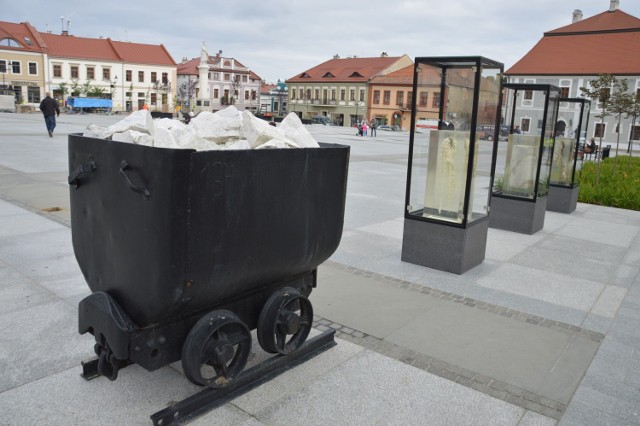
(606, 43)
(69, 46)
(345, 69)
(21, 33)
(403, 76)
(155, 54)
(191, 66)
(606, 21)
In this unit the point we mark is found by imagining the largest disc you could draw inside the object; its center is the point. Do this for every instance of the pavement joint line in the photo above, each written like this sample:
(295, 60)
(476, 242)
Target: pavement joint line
(474, 304)
(479, 382)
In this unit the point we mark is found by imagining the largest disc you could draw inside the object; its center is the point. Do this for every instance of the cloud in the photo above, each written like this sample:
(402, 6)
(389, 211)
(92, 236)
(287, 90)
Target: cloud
(278, 39)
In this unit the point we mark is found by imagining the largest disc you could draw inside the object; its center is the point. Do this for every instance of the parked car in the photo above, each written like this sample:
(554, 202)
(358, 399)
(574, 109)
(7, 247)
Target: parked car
(321, 119)
(386, 127)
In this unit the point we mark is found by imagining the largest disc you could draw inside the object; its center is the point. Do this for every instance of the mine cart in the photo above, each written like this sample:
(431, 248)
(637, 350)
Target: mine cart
(185, 252)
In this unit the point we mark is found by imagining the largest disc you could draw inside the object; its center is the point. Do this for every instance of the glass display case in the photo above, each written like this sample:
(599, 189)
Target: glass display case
(570, 137)
(523, 164)
(454, 128)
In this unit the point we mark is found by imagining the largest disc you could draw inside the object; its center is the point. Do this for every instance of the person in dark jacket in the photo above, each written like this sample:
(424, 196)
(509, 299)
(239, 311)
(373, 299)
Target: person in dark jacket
(50, 109)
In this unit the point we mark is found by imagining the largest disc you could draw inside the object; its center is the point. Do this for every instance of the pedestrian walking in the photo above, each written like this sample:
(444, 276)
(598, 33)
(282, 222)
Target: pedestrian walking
(374, 127)
(50, 109)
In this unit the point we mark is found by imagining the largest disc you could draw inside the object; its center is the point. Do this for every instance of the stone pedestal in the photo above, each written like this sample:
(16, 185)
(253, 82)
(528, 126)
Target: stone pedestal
(562, 199)
(444, 247)
(517, 215)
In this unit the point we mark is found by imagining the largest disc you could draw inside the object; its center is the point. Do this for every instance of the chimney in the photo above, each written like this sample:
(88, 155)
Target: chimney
(615, 4)
(577, 16)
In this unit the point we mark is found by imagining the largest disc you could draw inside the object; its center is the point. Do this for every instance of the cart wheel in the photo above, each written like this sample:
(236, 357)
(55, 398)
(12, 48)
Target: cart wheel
(285, 321)
(216, 349)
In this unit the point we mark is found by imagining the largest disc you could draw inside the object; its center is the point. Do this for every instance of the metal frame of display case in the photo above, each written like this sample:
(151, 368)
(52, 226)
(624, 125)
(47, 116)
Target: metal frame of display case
(512, 207)
(563, 193)
(451, 239)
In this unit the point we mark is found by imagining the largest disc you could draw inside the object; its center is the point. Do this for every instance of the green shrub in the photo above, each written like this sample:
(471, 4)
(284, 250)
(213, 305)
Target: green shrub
(621, 190)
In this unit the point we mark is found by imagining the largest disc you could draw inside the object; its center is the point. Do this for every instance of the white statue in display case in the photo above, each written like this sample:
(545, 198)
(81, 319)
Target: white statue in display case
(447, 175)
(522, 162)
(563, 156)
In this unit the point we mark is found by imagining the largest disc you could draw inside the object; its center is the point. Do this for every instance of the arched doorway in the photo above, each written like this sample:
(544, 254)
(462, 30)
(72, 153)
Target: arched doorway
(561, 126)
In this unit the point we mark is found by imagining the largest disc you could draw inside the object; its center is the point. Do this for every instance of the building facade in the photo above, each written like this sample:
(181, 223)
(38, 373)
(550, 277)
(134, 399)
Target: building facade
(339, 88)
(130, 74)
(570, 57)
(273, 99)
(211, 83)
(21, 62)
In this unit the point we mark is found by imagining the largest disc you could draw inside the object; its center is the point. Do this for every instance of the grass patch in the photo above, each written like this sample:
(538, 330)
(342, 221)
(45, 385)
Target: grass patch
(621, 190)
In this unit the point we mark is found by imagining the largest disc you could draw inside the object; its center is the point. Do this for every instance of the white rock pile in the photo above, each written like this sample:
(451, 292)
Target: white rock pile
(225, 129)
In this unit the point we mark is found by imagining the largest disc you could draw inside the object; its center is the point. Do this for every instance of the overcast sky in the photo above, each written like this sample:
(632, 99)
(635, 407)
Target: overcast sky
(280, 39)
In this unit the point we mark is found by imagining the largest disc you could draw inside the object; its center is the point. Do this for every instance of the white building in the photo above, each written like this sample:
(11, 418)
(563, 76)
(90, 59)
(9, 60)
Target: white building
(570, 56)
(131, 74)
(217, 82)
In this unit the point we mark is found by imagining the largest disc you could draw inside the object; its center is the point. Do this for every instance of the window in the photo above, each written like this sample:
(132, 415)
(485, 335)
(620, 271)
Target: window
(564, 92)
(165, 78)
(436, 100)
(386, 98)
(376, 96)
(141, 77)
(409, 99)
(246, 95)
(74, 71)
(91, 73)
(399, 97)
(227, 77)
(154, 76)
(33, 69)
(57, 71)
(244, 78)
(605, 94)
(308, 93)
(316, 92)
(293, 93)
(9, 42)
(141, 94)
(635, 133)
(352, 95)
(424, 97)
(128, 94)
(253, 95)
(343, 94)
(216, 76)
(215, 93)
(154, 98)
(361, 95)
(15, 67)
(525, 123)
(528, 95)
(333, 94)
(3, 66)
(128, 75)
(33, 94)
(106, 74)
(599, 130)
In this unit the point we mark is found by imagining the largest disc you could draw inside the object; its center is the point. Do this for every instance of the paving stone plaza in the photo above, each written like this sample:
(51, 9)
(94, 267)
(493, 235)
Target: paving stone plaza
(543, 332)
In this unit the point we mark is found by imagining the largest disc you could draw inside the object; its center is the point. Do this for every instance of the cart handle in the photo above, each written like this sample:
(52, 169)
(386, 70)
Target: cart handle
(144, 191)
(82, 169)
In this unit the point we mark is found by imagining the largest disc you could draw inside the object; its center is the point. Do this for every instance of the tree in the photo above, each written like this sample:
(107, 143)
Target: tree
(618, 105)
(187, 90)
(600, 90)
(632, 111)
